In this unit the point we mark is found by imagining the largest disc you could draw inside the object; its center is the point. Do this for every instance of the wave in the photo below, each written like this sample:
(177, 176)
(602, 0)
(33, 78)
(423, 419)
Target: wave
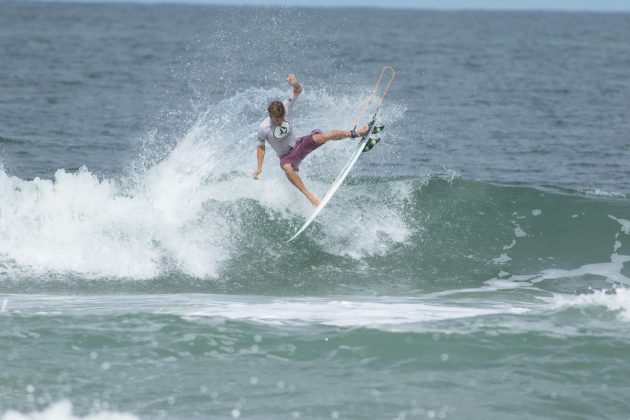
(616, 301)
(384, 234)
(189, 217)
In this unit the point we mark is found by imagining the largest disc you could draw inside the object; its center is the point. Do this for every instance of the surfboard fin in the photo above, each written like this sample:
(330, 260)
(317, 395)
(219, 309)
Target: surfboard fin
(378, 129)
(370, 143)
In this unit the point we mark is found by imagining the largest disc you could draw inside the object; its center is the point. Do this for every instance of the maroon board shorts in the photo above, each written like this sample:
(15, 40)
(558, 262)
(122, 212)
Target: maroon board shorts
(302, 148)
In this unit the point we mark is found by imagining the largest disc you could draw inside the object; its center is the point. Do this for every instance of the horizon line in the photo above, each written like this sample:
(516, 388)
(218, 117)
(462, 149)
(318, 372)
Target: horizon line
(288, 5)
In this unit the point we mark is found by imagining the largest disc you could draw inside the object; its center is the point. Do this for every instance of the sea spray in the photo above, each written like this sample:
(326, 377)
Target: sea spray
(182, 212)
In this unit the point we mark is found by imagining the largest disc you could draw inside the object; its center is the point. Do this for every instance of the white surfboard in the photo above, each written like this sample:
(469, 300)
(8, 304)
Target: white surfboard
(355, 155)
(335, 185)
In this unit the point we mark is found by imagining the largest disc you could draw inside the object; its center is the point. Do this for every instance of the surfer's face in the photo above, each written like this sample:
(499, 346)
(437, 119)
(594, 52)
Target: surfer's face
(276, 120)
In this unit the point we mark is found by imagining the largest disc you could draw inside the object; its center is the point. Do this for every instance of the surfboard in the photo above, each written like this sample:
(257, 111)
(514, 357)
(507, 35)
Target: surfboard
(358, 150)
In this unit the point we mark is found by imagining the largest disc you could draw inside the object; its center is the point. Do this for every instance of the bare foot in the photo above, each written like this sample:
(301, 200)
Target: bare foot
(314, 201)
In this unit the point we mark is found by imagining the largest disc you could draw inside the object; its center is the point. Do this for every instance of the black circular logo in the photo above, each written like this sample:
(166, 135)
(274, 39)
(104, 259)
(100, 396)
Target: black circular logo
(281, 131)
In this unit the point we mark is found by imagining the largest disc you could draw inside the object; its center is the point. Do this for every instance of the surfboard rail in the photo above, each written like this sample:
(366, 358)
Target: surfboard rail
(357, 151)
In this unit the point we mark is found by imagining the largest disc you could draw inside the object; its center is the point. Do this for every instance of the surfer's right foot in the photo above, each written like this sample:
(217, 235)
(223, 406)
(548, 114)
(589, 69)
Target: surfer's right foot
(314, 201)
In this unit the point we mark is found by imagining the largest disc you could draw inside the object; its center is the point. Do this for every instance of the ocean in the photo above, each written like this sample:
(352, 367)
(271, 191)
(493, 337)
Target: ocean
(475, 265)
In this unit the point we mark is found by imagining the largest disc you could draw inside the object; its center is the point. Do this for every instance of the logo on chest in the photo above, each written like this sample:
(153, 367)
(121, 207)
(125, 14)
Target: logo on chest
(282, 131)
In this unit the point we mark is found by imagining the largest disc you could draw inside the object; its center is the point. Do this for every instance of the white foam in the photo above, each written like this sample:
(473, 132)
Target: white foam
(381, 314)
(619, 301)
(62, 410)
(611, 271)
(74, 223)
(378, 312)
(502, 259)
(519, 232)
(603, 193)
(625, 224)
(503, 281)
(80, 223)
(360, 225)
(510, 246)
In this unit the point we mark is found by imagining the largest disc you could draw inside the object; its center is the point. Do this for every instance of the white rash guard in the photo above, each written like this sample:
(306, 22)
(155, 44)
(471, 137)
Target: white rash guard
(280, 137)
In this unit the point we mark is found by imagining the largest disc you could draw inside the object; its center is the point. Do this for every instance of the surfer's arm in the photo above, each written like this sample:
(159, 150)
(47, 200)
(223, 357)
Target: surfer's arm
(261, 133)
(297, 87)
(260, 155)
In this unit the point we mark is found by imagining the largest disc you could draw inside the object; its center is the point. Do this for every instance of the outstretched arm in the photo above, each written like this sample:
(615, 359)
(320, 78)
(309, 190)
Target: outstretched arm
(297, 87)
(260, 155)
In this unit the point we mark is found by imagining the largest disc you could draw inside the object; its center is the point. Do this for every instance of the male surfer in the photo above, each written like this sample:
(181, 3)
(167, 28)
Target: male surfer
(277, 129)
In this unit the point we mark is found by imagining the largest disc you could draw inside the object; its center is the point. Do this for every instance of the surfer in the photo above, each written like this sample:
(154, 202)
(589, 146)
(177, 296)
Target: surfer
(277, 129)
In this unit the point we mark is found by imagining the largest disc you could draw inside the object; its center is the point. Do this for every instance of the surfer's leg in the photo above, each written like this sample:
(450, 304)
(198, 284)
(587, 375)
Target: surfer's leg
(322, 138)
(297, 181)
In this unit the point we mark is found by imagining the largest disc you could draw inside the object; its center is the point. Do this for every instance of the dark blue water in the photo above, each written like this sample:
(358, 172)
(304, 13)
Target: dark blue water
(536, 98)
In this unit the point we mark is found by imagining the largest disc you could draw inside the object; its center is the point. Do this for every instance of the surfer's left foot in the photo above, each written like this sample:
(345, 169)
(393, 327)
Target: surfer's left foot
(314, 201)
(354, 133)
